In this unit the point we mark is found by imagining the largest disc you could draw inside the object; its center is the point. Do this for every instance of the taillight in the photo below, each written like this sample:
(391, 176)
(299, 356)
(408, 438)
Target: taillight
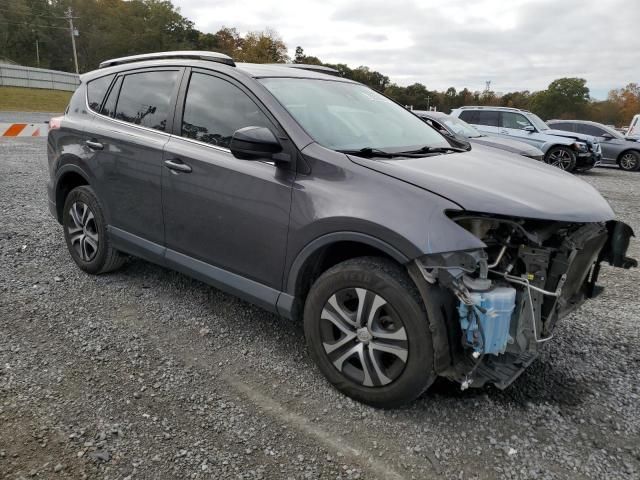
(55, 123)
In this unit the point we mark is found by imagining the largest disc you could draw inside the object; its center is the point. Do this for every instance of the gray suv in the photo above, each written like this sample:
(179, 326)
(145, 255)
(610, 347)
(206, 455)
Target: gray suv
(616, 148)
(319, 199)
(567, 151)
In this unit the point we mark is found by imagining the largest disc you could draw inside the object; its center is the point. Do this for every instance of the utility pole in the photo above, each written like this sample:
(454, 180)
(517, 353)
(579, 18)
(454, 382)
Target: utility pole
(37, 48)
(73, 38)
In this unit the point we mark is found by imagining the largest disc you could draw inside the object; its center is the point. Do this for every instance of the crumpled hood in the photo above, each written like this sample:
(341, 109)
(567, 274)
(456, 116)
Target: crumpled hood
(514, 146)
(576, 136)
(490, 181)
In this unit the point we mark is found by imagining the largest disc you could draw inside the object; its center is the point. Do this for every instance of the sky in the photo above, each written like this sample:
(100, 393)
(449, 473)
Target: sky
(516, 44)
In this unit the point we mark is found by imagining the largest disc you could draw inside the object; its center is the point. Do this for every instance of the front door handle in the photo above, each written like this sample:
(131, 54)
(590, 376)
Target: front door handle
(504, 132)
(177, 165)
(93, 145)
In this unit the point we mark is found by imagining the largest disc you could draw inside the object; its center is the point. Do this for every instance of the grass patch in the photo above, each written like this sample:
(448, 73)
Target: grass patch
(19, 99)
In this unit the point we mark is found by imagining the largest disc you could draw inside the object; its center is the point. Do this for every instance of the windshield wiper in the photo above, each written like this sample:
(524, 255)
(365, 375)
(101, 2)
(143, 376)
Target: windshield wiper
(427, 149)
(369, 152)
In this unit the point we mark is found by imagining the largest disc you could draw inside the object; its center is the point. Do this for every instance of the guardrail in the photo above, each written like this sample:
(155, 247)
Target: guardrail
(20, 76)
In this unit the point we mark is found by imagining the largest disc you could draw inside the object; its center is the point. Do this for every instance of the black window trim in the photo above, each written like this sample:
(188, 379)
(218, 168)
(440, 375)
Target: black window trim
(181, 98)
(172, 99)
(118, 83)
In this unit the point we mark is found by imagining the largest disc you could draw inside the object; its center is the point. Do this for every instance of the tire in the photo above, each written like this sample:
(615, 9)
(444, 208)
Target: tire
(85, 232)
(394, 343)
(561, 157)
(629, 161)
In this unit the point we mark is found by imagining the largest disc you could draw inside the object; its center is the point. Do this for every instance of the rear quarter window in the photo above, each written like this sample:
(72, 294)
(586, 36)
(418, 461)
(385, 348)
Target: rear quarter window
(96, 90)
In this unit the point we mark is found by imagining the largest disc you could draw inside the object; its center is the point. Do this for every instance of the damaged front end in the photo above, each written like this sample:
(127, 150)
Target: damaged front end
(491, 309)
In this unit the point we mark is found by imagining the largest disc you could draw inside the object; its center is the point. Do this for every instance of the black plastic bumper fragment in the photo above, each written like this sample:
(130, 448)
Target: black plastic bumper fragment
(615, 250)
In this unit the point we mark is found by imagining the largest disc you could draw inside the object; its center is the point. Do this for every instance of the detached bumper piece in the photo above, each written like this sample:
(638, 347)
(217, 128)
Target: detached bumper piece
(505, 300)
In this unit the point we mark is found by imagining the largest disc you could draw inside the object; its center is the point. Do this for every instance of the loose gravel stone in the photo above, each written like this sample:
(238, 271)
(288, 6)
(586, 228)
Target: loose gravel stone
(164, 377)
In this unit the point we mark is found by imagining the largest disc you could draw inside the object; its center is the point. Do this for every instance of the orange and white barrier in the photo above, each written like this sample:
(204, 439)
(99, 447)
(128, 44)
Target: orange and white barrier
(23, 129)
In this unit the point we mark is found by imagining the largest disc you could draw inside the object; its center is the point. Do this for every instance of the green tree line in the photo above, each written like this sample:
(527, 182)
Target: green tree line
(114, 28)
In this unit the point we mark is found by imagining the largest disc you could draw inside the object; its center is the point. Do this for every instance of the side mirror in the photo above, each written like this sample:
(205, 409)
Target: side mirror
(255, 143)
(529, 128)
(607, 136)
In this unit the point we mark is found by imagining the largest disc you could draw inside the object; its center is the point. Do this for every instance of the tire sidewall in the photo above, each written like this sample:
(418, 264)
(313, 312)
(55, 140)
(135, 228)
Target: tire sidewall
(86, 195)
(418, 371)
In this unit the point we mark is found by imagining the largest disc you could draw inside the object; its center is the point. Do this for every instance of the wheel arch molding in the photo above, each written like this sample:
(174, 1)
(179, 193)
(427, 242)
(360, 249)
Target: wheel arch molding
(328, 239)
(68, 176)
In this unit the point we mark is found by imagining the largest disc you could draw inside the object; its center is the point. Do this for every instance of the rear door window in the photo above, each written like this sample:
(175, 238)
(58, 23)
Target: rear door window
(145, 98)
(565, 126)
(214, 109)
(489, 118)
(471, 116)
(96, 90)
(590, 130)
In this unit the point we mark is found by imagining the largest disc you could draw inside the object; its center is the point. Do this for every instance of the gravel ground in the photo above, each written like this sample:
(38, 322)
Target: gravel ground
(146, 373)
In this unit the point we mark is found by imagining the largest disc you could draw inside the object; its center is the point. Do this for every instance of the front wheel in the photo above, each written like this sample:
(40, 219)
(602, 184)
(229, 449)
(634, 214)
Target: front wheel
(366, 328)
(630, 161)
(562, 157)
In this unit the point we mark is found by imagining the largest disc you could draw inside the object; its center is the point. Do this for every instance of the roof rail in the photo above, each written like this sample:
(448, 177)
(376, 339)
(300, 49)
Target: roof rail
(490, 107)
(312, 68)
(193, 54)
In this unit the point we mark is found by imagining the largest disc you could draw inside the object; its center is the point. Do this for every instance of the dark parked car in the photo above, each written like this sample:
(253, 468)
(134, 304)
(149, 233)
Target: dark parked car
(319, 199)
(461, 131)
(616, 148)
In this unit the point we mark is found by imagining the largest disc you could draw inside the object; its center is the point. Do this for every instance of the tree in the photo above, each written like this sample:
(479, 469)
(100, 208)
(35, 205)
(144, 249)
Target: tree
(564, 98)
(262, 47)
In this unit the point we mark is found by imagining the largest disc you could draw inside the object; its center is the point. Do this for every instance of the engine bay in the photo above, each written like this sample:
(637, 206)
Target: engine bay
(501, 303)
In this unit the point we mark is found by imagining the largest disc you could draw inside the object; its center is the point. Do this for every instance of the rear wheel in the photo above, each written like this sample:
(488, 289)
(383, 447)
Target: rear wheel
(367, 330)
(630, 161)
(85, 232)
(562, 157)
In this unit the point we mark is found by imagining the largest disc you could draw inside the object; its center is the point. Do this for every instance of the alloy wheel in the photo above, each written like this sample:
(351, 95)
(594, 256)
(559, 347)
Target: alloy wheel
(363, 337)
(629, 161)
(83, 231)
(561, 159)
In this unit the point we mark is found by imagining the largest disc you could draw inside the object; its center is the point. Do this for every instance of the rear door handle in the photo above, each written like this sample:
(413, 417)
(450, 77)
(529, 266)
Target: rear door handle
(177, 165)
(504, 132)
(93, 145)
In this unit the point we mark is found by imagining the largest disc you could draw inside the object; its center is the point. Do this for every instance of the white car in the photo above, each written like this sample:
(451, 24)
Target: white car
(634, 127)
(567, 151)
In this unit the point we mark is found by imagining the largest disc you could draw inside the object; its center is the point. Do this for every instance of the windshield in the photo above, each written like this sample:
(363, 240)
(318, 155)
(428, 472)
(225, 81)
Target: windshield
(537, 122)
(460, 127)
(612, 132)
(350, 116)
